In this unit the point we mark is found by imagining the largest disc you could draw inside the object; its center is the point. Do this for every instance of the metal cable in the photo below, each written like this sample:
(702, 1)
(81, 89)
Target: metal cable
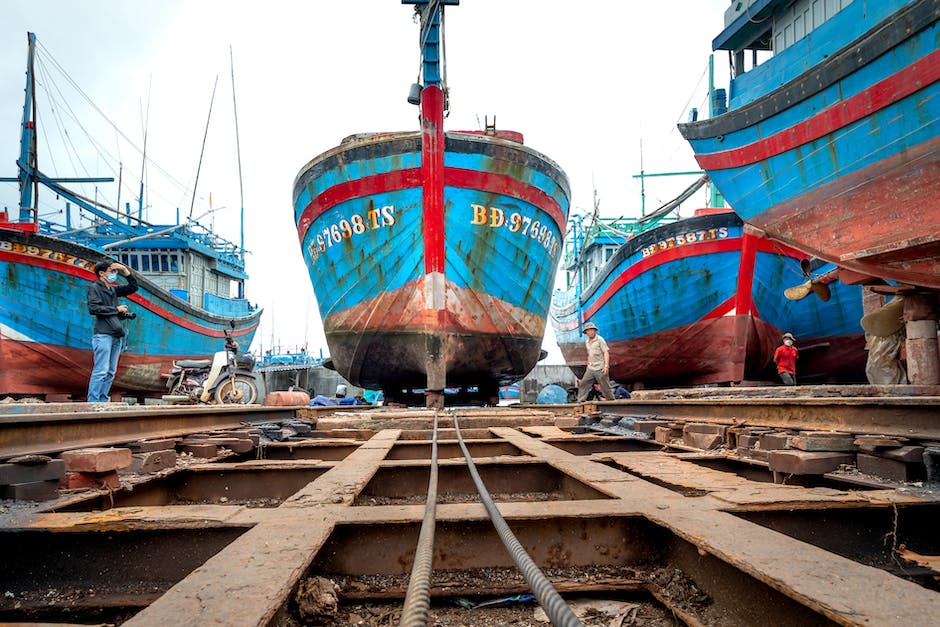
(418, 597)
(555, 607)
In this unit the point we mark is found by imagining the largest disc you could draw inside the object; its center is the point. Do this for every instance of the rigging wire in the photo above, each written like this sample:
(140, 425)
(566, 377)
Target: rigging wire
(554, 605)
(169, 177)
(418, 596)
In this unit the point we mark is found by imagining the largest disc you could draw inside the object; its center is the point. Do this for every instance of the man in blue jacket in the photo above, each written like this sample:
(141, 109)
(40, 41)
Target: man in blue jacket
(108, 337)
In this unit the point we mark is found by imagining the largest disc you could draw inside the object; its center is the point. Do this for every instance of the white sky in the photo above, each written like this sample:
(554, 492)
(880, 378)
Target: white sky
(585, 82)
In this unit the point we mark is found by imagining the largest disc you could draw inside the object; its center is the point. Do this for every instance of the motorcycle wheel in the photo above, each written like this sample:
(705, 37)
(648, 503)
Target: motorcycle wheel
(241, 391)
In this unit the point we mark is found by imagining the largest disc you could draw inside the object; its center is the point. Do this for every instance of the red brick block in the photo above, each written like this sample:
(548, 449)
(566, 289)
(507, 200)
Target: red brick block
(153, 461)
(795, 462)
(96, 459)
(91, 480)
(665, 435)
(287, 399)
(150, 446)
(704, 441)
(32, 491)
(890, 469)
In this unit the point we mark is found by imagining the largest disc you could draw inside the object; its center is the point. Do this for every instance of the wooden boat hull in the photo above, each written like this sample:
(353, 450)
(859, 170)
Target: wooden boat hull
(833, 145)
(700, 301)
(413, 296)
(45, 328)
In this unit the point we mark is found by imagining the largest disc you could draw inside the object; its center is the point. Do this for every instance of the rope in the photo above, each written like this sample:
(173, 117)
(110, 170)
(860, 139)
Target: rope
(418, 597)
(555, 607)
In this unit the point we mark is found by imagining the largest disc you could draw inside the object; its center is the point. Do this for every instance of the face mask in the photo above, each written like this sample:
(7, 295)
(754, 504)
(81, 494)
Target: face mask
(111, 276)
(788, 342)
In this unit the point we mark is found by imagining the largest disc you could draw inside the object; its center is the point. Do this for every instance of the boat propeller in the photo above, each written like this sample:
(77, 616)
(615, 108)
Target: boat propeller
(885, 321)
(816, 285)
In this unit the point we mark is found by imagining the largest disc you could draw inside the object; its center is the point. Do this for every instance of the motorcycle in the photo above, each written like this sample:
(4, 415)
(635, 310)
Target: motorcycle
(227, 378)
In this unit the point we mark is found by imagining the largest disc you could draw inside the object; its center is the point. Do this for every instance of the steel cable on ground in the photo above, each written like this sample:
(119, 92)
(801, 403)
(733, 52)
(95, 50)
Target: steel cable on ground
(555, 607)
(418, 596)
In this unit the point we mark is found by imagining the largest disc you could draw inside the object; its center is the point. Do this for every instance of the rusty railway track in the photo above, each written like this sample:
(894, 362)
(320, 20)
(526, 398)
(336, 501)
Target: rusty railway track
(707, 538)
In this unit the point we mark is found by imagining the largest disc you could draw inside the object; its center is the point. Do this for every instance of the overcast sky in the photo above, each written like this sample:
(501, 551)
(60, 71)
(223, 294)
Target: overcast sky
(585, 82)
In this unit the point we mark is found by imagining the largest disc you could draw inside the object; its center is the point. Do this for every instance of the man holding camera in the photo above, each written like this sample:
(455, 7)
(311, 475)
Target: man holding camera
(108, 338)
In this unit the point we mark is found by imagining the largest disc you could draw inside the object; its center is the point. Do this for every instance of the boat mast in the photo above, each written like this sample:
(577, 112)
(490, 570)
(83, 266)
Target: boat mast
(238, 152)
(203, 150)
(432, 99)
(29, 184)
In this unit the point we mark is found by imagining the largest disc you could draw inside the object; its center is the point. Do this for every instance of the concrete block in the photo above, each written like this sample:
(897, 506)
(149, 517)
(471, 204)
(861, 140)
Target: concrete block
(149, 446)
(153, 461)
(748, 441)
(96, 459)
(91, 480)
(236, 445)
(30, 473)
(667, 434)
(31, 491)
(756, 453)
(879, 441)
(649, 426)
(932, 464)
(822, 442)
(890, 469)
(566, 422)
(906, 454)
(704, 441)
(774, 441)
(701, 427)
(199, 450)
(795, 462)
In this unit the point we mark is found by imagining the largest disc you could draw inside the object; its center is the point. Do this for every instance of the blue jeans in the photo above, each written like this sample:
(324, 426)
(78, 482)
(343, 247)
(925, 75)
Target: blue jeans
(106, 349)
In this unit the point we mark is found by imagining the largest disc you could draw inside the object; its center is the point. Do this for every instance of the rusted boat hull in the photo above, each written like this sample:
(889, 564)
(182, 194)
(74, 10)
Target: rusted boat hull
(45, 328)
(700, 301)
(833, 145)
(432, 255)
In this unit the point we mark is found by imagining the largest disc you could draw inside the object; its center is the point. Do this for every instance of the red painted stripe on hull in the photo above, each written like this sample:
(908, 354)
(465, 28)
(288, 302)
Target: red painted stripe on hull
(36, 368)
(507, 186)
(81, 273)
(864, 221)
(719, 350)
(365, 186)
(671, 254)
(744, 298)
(432, 175)
(880, 95)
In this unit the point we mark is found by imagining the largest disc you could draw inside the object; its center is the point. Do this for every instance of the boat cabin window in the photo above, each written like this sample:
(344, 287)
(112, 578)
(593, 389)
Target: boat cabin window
(151, 262)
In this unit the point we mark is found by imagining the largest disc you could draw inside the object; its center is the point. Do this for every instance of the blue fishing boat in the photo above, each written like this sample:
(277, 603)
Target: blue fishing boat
(700, 300)
(832, 145)
(192, 284)
(432, 254)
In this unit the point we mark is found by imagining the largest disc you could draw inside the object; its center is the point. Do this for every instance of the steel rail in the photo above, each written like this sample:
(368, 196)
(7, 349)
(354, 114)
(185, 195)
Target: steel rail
(418, 596)
(555, 607)
(25, 430)
(911, 417)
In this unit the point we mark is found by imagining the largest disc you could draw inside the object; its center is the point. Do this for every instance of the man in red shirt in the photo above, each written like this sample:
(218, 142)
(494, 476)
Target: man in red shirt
(785, 357)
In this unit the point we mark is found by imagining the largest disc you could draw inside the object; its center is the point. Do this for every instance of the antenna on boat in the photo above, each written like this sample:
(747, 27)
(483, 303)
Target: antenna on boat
(202, 152)
(238, 151)
(143, 162)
